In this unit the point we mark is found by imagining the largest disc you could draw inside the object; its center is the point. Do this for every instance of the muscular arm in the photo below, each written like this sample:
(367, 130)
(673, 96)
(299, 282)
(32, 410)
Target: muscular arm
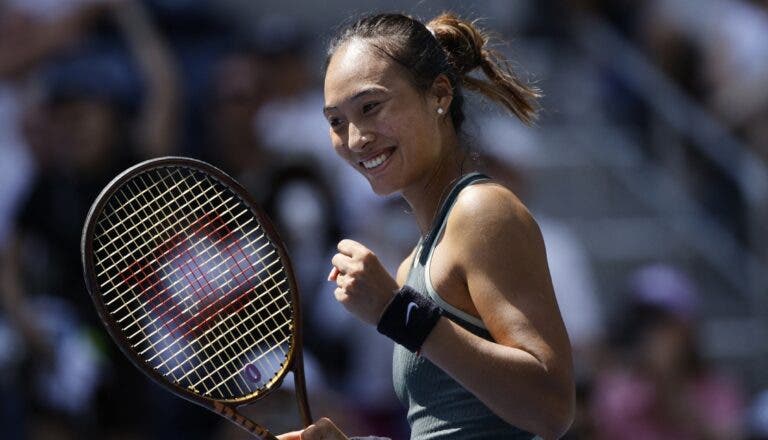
(525, 377)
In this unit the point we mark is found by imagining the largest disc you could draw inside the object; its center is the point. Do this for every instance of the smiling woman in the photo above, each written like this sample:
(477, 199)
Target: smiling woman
(383, 127)
(481, 350)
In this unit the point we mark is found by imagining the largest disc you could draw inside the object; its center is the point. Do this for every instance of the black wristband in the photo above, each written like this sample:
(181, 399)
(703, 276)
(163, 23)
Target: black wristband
(409, 318)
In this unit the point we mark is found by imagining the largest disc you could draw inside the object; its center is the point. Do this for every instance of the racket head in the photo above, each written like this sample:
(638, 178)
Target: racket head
(172, 322)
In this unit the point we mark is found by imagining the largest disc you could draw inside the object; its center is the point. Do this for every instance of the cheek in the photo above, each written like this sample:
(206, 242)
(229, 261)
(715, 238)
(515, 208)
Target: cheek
(411, 122)
(337, 143)
(410, 133)
(397, 128)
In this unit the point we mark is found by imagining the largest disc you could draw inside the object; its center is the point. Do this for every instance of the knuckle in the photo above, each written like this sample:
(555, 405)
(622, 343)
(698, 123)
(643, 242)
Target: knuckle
(369, 259)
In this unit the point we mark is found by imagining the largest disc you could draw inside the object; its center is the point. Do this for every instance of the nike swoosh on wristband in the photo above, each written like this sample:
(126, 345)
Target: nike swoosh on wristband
(411, 306)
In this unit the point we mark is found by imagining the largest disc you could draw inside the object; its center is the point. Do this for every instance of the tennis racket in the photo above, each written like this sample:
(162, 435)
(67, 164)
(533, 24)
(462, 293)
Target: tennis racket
(194, 285)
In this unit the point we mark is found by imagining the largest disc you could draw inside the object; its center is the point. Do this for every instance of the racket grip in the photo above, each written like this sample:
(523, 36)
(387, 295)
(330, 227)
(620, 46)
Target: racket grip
(240, 420)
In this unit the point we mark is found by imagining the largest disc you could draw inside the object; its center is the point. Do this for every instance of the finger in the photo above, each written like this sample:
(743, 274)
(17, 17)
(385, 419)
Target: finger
(311, 432)
(294, 435)
(343, 263)
(350, 247)
(334, 273)
(330, 429)
(340, 295)
(340, 280)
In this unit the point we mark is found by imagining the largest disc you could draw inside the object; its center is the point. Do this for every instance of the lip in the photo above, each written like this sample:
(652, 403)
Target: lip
(375, 154)
(388, 150)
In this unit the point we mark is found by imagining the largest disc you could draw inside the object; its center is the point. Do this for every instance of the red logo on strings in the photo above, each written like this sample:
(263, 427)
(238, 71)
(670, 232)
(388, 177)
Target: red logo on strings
(197, 278)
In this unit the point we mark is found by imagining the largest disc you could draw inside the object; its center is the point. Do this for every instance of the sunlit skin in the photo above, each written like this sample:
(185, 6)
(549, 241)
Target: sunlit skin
(490, 261)
(372, 109)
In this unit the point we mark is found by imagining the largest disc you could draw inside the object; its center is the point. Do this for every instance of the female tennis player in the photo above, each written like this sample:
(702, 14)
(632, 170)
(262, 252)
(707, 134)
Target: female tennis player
(481, 350)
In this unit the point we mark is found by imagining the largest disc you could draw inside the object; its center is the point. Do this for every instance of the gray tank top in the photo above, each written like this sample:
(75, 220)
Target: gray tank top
(438, 407)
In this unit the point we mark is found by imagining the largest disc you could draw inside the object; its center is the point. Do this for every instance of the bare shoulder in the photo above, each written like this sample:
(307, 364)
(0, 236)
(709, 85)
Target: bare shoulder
(499, 250)
(489, 211)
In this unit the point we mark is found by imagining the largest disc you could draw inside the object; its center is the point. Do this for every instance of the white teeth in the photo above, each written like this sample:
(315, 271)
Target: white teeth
(376, 161)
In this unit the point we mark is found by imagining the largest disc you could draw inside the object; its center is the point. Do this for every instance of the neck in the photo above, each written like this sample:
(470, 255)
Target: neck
(426, 196)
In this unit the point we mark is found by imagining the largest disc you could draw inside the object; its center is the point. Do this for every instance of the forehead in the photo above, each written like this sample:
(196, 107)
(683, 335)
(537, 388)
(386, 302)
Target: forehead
(357, 66)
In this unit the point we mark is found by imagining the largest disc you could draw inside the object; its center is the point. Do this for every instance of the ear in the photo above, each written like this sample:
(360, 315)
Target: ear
(441, 93)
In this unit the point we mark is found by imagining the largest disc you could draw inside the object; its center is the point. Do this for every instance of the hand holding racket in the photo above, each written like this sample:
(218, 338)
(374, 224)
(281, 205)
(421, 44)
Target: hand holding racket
(323, 429)
(194, 285)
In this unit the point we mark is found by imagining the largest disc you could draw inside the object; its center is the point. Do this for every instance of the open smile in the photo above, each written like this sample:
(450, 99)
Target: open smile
(377, 160)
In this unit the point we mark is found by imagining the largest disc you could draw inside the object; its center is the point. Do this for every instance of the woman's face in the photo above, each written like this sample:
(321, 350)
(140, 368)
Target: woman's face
(379, 122)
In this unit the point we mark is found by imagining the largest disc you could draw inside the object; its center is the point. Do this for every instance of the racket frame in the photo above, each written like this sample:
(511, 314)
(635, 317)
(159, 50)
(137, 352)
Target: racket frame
(223, 407)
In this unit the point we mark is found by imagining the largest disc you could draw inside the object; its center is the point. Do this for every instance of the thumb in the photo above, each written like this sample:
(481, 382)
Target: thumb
(293, 435)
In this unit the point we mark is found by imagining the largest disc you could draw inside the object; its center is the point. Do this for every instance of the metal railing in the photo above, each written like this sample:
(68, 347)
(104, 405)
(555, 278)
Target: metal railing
(744, 269)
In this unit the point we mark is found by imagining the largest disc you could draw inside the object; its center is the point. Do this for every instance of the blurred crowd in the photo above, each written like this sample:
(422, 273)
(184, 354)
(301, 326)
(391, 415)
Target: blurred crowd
(90, 87)
(716, 52)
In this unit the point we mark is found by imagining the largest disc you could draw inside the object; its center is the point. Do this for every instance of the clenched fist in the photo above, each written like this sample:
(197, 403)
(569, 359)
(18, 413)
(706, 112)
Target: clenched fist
(363, 286)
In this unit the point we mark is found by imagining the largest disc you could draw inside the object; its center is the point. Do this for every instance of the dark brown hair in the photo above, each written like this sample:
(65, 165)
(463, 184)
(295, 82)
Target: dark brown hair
(446, 45)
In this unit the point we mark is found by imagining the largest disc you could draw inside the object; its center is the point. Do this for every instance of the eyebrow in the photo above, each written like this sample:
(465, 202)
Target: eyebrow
(360, 94)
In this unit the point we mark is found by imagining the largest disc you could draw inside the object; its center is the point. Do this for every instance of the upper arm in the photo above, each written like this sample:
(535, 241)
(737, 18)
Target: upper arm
(500, 253)
(403, 269)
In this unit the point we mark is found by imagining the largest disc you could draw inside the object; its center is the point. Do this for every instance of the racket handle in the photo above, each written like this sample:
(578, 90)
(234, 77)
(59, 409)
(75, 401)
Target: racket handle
(240, 420)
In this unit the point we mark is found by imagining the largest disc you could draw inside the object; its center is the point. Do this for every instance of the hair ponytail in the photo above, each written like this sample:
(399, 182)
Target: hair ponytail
(466, 47)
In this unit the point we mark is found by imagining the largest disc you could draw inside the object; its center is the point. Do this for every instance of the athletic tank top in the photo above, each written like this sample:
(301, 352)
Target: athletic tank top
(438, 406)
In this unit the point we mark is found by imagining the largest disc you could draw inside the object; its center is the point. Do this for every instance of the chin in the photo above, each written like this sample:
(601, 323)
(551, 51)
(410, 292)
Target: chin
(382, 188)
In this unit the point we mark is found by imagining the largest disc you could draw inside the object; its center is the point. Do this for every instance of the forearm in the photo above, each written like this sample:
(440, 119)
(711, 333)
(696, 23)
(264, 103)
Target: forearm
(157, 119)
(511, 382)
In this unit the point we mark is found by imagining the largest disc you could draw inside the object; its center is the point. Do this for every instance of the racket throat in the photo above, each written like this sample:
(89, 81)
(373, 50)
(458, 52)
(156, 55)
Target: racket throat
(240, 420)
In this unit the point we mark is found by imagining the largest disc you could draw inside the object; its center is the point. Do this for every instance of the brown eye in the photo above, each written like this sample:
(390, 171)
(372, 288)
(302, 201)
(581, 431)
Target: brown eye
(369, 106)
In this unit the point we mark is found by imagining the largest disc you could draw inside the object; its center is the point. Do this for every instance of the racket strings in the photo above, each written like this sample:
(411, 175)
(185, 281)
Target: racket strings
(275, 343)
(148, 215)
(140, 229)
(201, 295)
(270, 283)
(167, 277)
(139, 225)
(153, 322)
(172, 320)
(195, 304)
(114, 211)
(238, 343)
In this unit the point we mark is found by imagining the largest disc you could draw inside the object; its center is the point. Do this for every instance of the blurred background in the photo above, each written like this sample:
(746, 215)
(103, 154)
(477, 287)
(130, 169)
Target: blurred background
(647, 173)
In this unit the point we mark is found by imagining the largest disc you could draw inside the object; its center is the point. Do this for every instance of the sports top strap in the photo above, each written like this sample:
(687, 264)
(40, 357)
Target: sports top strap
(445, 208)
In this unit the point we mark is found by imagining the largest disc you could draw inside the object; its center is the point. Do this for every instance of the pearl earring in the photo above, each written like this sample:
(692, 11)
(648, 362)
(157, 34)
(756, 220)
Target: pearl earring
(440, 111)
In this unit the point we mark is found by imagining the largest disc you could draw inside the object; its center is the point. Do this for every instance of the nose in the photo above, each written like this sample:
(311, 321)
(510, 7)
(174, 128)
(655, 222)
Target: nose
(358, 138)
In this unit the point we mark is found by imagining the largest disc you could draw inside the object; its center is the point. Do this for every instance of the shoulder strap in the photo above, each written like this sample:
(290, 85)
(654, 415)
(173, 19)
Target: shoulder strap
(445, 208)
